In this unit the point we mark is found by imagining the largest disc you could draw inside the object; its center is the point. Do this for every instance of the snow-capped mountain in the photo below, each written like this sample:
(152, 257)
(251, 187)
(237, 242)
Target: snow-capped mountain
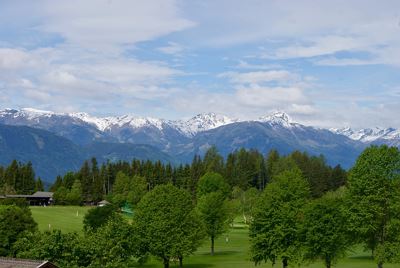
(278, 118)
(182, 139)
(371, 135)
(202, 122)
(189, 128)
(106, 123)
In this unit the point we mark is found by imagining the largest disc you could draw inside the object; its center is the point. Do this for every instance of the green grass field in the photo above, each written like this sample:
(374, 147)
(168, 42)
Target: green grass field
(231, 253)
(67, 219)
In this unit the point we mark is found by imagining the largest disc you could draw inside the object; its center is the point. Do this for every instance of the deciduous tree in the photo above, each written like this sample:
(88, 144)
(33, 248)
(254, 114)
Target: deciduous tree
(167, 224)
(374, 201)
(275, 229)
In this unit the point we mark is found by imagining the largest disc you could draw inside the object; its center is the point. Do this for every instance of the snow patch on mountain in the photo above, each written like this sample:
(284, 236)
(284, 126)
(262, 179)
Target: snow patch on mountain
(278, 118)
(368, 135)
(202, 122)
(26, 113)
(106, 123)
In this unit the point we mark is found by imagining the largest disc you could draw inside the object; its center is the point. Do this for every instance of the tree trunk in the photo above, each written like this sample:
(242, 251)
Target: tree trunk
(166, 262)
(212, 245)
(180, 261)
(285, 262)
(380, 265)
(328, 262)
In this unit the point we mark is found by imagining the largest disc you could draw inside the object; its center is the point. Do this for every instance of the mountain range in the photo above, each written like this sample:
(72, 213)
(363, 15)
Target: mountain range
(79, 136)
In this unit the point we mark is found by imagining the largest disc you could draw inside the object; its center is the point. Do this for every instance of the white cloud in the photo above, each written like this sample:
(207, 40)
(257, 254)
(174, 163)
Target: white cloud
(318, 46)
(259, 77)
(269, 97)
(14, 59)
(110, 23)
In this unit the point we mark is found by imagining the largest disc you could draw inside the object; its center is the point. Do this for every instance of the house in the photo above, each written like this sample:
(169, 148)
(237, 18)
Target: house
(21, 263)
(103, 203)
(36, 199)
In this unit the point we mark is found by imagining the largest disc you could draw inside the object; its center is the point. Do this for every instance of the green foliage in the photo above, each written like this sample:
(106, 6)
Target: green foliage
(246, 169)
(18, 178)
(128, 190)
(20, 202)
(112, 245)
(212, 182)
(53, 246)
(74, 196)
(214, 210)
(14, 221)
(275, 229)
(60, 196)
(39, 185)
(213, 161)
(374, 201)
(325, 229)
(167, 224)
(97, 217)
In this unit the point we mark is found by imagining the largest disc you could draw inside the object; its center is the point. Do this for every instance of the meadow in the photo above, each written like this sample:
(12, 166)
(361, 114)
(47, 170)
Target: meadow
(231, 248)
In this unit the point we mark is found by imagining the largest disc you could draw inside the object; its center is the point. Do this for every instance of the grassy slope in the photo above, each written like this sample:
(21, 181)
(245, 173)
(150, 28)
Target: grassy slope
(231, 254)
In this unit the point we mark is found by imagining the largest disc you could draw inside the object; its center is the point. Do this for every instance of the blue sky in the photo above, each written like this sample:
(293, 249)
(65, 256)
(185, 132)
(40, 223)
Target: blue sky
(326, 63)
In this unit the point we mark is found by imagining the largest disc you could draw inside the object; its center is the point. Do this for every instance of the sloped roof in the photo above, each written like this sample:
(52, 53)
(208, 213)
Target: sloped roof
(43, 194)
(21, 263)
(104, 202)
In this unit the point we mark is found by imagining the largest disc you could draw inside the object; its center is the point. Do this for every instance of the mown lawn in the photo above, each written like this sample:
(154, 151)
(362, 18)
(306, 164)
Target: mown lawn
(231, 249)
(67, 219)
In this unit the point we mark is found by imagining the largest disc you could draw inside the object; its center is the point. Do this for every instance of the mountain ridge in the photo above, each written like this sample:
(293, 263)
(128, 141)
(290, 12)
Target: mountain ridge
(177, 141)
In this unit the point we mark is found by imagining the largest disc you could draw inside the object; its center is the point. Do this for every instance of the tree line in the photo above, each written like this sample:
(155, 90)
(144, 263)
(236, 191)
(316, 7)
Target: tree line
(243, 169)
(19, 178)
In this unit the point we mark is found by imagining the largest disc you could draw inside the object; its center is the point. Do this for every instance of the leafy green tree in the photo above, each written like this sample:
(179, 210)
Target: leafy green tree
(167, 224)
(137, 189)
(60, 196)
(275, 229)
(212, 182)
(374, 201)
(57, 184)
(214, 210)
(14, 221)
(97, 217)
(53, 246)
(213, 161)
(74, 196)
(128, 190)
(325, 229)
(113, 245)
(68, 180)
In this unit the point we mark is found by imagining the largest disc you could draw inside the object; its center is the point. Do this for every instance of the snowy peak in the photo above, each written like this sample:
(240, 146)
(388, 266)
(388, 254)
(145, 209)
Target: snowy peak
(106, 123)
(368, 134)
(26, 113)
(277, 118)
(100, 123)
(203, 122)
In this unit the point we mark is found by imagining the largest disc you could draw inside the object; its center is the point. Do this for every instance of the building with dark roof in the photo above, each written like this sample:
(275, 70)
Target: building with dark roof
(21, 263)
(36, 199)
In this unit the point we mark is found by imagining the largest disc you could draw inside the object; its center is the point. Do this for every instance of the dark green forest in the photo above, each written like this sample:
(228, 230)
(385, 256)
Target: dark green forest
(244, 169)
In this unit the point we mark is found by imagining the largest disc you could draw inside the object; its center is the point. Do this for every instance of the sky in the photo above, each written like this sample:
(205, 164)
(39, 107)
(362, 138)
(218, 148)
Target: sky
(325, 63)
